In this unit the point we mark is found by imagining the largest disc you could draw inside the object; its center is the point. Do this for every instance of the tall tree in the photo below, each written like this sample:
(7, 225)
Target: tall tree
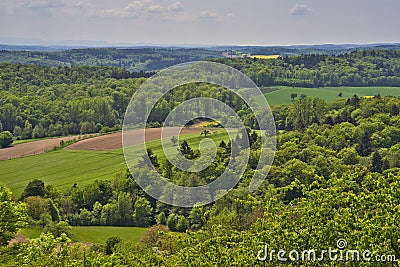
(377, 162)
(13, 215)
(186, 150)
(142, 216)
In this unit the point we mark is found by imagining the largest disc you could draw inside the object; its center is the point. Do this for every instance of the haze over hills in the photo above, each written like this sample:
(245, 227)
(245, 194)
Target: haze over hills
(11, 44)
(148, 57)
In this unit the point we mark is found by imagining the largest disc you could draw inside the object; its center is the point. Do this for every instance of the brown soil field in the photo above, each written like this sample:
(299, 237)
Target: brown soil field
(33, 148)
(114, 140)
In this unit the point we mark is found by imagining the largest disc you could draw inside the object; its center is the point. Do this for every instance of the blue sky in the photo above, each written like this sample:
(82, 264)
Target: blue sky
(251, 22)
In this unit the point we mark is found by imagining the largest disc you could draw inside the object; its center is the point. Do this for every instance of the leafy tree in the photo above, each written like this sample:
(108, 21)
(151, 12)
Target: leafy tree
(174, 140)
(110, 245)
(17, 132)
(27, 131)
(377, 162)
(142, 216)
(58, 229)
(38, 131)
(124, 208)
(293, 96)
(161, 219)
(36, 206)
(182, 224)
(172, 221)
(196, 218)
(34, 188)
(12, 215)
(205, 133)
(364, 147)
(6, 139)
(186, 150)
(394, 110)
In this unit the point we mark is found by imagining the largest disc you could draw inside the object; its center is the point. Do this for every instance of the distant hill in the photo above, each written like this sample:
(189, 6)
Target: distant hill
(326, 49)
(152, 58)
(132, 59)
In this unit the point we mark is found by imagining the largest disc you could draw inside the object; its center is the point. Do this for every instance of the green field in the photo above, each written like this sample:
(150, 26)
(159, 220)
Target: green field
(63, 168)
(94, 234)
(329, 94)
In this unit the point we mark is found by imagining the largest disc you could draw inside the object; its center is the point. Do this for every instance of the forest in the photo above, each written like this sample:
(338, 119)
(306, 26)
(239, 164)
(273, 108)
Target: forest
(336, 172)
(132, 59)
(40, 101)
(358, 68)
(343, 155)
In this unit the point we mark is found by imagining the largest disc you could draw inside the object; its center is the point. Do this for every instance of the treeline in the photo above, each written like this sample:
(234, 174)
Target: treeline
(133, 59)
(359, 68)
(42, 101)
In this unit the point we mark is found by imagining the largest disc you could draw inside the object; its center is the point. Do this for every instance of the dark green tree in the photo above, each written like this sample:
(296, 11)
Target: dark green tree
(377, 162)
(186, 150)
(364, 147)
(34, 188)
(110, 244)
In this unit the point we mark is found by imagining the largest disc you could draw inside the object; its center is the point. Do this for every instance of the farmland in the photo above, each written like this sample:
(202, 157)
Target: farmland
(265, 56)
(23, 149)
(63, 168)
(329, 94)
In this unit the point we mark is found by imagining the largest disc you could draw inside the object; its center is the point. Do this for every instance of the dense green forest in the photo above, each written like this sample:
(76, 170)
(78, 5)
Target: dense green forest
(359, 68)
(139, 59)
(39, 101)
(335, 175)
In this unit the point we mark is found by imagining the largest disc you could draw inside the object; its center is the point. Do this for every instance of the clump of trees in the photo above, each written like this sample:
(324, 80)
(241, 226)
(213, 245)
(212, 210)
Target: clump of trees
(6, 139)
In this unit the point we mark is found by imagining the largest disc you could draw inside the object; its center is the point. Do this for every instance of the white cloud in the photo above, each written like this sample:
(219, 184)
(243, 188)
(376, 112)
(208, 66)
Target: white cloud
(138, 9)
(176, 7)
(43, 4)
(155, 9)
(300, 10)
(206, 14)
(81, 5)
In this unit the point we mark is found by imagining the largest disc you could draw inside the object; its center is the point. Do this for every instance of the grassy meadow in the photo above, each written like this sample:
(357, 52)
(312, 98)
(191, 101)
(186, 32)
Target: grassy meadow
(329, 94)
(63, 168)
(94, 234)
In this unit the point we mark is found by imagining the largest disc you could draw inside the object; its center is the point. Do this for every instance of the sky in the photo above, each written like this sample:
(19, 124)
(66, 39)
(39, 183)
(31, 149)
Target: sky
(209, 22)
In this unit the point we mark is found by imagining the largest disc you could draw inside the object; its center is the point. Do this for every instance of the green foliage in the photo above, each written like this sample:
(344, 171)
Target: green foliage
(161, 219)
(358, 68)
(6, 139)
(12, 216)
(111, 242)
(58, 229)
(142, 216)
(34, 188)
(132, 59)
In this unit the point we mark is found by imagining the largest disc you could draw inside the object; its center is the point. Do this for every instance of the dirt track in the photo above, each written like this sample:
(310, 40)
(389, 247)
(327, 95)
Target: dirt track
(114, 141)
(32, 148)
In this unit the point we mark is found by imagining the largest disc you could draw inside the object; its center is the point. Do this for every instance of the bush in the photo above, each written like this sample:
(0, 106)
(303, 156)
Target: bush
(111, 242)
(6, 139)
